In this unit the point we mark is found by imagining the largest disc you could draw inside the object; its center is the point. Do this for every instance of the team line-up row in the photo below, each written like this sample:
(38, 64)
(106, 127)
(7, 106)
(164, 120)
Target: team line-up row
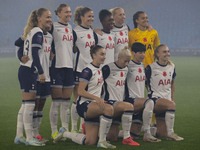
(106, 75)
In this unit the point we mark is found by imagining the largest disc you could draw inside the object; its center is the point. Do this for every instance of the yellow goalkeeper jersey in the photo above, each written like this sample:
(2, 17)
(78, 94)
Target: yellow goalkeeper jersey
(149, 38)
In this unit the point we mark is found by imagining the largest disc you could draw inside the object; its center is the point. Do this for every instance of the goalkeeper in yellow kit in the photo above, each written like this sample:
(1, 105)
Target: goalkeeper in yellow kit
(143, 35)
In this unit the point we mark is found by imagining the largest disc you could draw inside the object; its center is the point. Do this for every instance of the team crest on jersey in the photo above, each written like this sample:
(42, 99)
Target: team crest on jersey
(88, 36)
(139, 70)
(66, 30)
(39, 38)
(164, 74)
(145, 39)
(121, 74)
(110, 38)
(121, 33)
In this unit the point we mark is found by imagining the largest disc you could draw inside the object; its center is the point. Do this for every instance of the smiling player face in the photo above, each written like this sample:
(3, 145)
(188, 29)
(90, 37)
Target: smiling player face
(138, 57)
(163, 55)
(87, 19)
(108, 23)
(65, 15)
(142, 20)
(45, 21)
(119, 17)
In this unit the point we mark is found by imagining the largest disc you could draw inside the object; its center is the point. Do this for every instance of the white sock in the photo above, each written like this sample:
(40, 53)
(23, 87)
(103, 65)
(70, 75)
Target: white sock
(121, 134)
(75, 137)
(147, 115)
(20, 125)
(35, 124)
(169, 120)
(74, 117)
(105, 123)
(126, 123)
(65, 113)
(53, 115)
(81, 122)
(28, 118)
(40, 115)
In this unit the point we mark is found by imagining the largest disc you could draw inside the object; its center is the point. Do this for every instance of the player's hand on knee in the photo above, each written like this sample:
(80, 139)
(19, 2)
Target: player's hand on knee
(101, 103)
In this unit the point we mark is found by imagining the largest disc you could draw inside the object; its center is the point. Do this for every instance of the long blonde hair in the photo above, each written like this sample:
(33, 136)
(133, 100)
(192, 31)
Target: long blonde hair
(80, 11)
(33, 20)
(156, 52)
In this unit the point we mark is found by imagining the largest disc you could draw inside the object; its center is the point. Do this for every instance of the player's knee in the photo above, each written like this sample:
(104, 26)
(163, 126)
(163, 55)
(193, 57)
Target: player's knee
(171, 106)
(128, 106)
(108, 110)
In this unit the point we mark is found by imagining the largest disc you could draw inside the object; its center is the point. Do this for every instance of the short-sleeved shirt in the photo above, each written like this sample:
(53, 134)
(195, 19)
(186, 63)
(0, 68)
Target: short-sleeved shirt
(114, 77)
(92, 75)
(159, 79)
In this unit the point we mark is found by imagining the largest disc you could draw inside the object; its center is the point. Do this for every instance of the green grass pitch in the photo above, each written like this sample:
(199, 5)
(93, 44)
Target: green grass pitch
(187, 98)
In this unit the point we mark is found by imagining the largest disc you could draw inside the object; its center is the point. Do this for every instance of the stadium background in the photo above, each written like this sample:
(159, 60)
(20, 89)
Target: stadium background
(177, 21)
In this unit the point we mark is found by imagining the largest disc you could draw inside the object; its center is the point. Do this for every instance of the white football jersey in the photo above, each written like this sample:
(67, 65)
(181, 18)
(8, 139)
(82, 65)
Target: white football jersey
(114, 78)
(63, 41)
(107, 42)
(93, 76)
(135, 80)
(121, 38)
(44, 55)
(159, 79)
(34, 39)
(85, 39)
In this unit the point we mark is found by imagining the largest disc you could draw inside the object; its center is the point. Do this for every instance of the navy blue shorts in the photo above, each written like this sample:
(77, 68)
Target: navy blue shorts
(27, 79)
(43, 90)
(76, 77)
(155, 99)
(62, 77)
(82, 109)
(116, 120)
(130, 100)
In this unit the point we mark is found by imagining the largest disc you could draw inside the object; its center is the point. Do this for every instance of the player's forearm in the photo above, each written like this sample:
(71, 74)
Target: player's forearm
(172, 90)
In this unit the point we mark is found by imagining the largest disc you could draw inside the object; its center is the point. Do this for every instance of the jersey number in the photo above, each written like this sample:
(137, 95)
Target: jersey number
(26, 48)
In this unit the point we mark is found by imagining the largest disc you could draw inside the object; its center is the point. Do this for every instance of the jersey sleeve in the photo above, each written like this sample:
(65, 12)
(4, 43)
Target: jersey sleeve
(37, 40)
(95, 38)
(86, 75)
(148, 75)
(174, 75)
(19, 43)
(106, 71)
(36, 60)
(75, 37)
